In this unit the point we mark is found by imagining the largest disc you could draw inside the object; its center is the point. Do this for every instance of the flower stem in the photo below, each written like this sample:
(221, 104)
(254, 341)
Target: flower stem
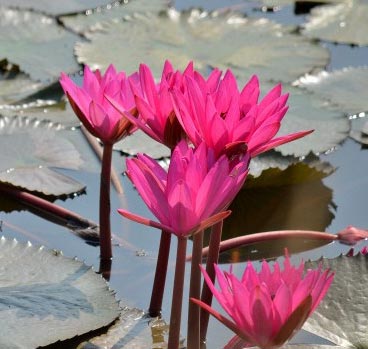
(105, 225)
(160, 275)
(177, 299)
(193, 336)
(213, 255)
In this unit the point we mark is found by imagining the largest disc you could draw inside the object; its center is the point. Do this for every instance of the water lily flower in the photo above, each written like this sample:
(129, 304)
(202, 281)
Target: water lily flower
(222, 116)
(351, 235)
(268, 307)
(154, 103)
(194, 191)
(90, 104)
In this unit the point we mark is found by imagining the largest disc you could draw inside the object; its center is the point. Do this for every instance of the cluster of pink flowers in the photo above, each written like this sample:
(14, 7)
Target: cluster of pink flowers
(213, 130)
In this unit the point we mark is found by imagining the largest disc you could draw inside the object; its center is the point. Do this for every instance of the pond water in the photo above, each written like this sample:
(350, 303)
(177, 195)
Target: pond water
(135, 246)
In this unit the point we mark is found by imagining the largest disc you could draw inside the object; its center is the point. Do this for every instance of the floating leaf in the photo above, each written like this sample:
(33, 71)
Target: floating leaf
(359, 128)
(17, 87)
(80, 23)
(37, 44)
(248, 46)
(134, 330)
(54, 7)
(139, 142)
(342, 317)
(60, 114)
(345, 22)
(308, 111)
(288, 202)
(29, 153)
(346, 88)
(46, 297)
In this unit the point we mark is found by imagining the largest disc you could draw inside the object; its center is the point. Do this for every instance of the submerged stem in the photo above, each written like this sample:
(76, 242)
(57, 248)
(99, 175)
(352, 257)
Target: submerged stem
(105, 225)
(160, 275)
(213, 255)
(193, 336)
(177, 295)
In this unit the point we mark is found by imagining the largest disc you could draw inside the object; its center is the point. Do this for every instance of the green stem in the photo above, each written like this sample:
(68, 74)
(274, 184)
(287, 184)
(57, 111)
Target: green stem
(206, 297)
(160, 275)
(177, 299)
(105, 225)
(193, 336)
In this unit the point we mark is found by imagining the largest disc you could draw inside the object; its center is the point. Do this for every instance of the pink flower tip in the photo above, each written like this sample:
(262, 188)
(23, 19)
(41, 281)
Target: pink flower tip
(351, 235)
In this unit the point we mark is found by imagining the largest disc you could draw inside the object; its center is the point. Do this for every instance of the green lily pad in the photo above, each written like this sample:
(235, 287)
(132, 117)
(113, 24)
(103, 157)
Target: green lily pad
(46, 297)
(37, 44)
(30, 151)
(247, 46)
(134, 330)
(293, 199)
(345, 22)
(308, 111)
(342, 317)
(15, 88)
(61, 115)
(81, 22)
(359, 129)
(54, 7)
(139, 142)
(346, 88)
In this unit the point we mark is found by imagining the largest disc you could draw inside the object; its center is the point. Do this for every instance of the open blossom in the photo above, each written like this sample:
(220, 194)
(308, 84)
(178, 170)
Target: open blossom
(192, 194)
(222, 116)
(267, 308)
(154, 103)
(90, 104)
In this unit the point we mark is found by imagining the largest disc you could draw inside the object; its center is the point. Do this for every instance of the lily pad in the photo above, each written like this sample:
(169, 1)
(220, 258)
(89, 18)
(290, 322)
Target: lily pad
(54, 7)
(342, 317)
(293, 199)
(81, 22)
(247, 46)
(37, 44)
(17, 87)
(134, 330)
(139, 142)
(61, 115)
(308, 111)
(359, 129)
(46, 297)
(30, 151)
(346, 88)
(345, 22)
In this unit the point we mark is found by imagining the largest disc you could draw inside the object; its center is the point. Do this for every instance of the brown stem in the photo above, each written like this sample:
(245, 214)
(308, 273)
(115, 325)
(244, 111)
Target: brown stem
(177, 295)
(160, 275)
(193, 336)
(206, 296)
(105, 225)
(98, 150)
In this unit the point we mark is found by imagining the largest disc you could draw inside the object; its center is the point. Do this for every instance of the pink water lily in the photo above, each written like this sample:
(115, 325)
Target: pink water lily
(268, 307)
(224, 116)
(154, 103)
(193, 194)
(90, 104)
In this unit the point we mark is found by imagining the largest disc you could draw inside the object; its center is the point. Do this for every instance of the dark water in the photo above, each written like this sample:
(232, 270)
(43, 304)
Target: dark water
(136, 246)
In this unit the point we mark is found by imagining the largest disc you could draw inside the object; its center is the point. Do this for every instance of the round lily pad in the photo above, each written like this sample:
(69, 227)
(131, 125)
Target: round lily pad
(55, 7)
(81, 22)
(346, 88)
(133, 330)
(342, 317)
(30, 151)
(37, 44)
(345, 22)
(46, 297)
(247, 46)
